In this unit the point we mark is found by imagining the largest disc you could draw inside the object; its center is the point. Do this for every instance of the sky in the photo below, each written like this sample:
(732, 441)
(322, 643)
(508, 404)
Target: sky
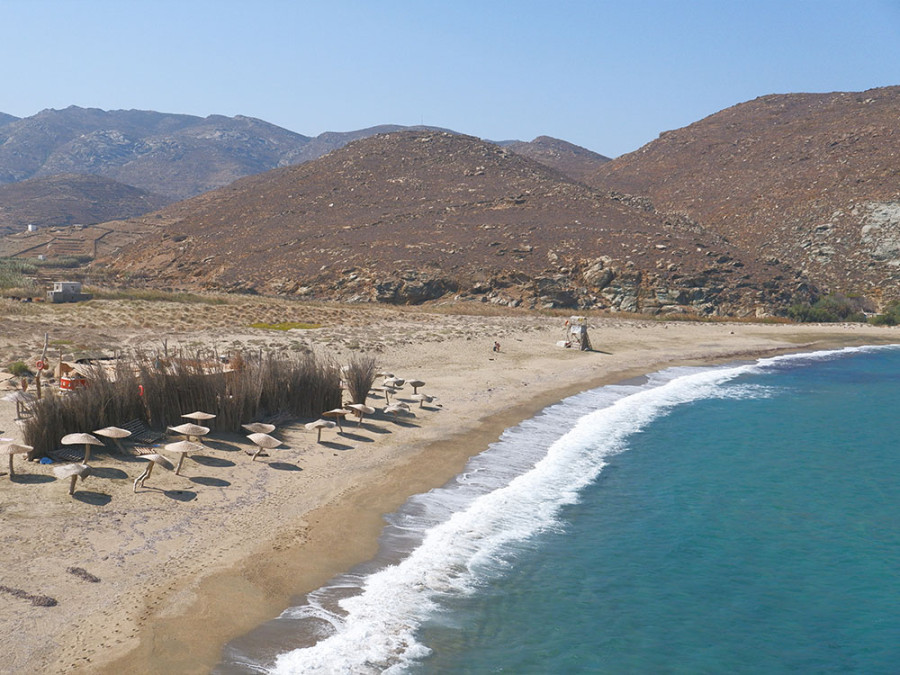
(609, 76)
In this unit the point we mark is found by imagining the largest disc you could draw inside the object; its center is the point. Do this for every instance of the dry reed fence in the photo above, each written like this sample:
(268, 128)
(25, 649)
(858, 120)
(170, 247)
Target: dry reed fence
(159, 390)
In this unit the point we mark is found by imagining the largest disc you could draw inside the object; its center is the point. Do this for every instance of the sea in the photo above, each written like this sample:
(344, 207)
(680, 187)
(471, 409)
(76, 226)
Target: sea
(742, 518)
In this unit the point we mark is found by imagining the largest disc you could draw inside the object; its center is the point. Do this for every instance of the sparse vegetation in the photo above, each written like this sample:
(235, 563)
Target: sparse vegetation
(18, 368)
(285, 325)
(829, 309)
(153, 295)
(360, 376)
(159, 390)
(890, 316)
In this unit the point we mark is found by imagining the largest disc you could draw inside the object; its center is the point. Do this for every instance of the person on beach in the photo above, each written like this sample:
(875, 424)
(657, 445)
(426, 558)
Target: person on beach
(496, 346)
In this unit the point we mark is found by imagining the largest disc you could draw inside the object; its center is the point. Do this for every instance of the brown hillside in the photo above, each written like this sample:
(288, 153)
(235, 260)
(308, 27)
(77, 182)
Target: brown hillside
(70, 199)
(571, 160)
(810, 179)
(416, 215)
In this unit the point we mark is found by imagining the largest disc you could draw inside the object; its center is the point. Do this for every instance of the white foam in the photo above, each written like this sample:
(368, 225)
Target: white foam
(469, 531)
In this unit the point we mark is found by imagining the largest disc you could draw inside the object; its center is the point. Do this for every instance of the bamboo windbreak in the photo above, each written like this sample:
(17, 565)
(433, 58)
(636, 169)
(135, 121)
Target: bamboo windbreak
(158, 391)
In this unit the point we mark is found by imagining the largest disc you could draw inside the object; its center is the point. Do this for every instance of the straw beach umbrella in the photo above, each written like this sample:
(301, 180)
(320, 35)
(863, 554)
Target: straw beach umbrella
(199, 416)
(338, 414)
(87, 439)
(415, 384)
(317, 426)
(115, 433)
(182, 448)
(72, 471)
(190, 431)
(259, 428)
(422, 398)
(153, 459)
(263, 442)
(11, 449)
(361, 410)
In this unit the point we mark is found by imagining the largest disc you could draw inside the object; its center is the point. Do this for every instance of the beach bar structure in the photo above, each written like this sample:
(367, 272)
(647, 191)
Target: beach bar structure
(66, 291)
(577, 333)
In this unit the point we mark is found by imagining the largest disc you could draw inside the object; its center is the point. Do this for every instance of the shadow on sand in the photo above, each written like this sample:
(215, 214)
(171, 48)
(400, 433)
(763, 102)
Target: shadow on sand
(31, 478)
(211, 482)
(284, 466)
(108, 472)
(205, 460)
(90, 497)
(339, 446)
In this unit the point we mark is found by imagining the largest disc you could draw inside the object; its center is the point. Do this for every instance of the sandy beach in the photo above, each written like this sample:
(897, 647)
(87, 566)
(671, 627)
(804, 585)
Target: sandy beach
(194, 560)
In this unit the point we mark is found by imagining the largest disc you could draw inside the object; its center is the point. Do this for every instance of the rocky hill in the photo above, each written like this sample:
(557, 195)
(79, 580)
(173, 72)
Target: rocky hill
(70, 199)
(569, 159)
(812, 180)
(173, 155)
(417, 215)
(6, 119)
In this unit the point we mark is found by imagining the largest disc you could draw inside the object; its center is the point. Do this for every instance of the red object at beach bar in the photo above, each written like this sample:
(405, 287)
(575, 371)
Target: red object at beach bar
(67, 383)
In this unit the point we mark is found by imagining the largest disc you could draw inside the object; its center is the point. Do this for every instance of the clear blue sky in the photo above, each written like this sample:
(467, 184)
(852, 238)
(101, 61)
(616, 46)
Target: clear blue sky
(609, 76)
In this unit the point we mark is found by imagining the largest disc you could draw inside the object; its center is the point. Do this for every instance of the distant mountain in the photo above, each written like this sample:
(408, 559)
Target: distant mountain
(571, 160)
(812, 180)
(417, 215)
(177, 156)
(173, 155)
(68, 199)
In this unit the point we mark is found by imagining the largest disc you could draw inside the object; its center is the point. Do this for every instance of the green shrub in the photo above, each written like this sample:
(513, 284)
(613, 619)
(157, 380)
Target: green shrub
(829, 309)
(890, 316)
(18, 368)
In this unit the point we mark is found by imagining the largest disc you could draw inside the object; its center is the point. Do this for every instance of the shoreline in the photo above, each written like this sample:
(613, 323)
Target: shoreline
(310, 540)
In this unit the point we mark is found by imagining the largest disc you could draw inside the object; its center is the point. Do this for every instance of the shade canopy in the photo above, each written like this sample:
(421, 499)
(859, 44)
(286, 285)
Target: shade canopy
(164, 462)
(184, 446)
(73, 469)
(75, 439)
(199, 415)
(190, 429)
(259, 427)
(264, 441)
(113, 432)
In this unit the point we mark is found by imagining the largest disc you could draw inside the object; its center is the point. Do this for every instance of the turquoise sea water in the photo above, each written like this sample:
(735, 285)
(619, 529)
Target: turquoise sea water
(738, 519)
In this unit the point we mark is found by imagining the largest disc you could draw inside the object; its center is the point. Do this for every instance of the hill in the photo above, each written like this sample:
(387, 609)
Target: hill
(416, 215)
(812, 180)
(571, 160)
(69, 199)
(173, 155)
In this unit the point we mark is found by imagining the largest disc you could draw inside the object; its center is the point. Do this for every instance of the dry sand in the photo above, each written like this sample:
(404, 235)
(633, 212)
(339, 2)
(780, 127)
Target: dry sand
(194, 560)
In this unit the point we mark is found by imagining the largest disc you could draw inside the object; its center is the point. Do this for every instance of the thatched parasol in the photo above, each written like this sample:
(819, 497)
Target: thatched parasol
(396, 382)
(422, 398)
(115, 433)
(318, 425)
(259, 427)
(396, 408)
(87, 439)
(263, 441)
(72, 471)
(190, 431)
(153, 459)
(11, 449)
(199, 415)
(361, 410)
(182, 448)
(415, 384)
(338, 414)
